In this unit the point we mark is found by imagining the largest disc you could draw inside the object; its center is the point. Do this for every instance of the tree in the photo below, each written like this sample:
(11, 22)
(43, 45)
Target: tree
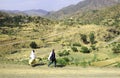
(33, 45)
(84, 38)
(92, 38)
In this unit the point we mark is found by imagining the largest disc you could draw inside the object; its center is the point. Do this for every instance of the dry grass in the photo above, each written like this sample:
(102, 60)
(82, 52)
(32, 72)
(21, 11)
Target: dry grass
(20, 71)
(107, 62)
(4, 37)
(70, 35)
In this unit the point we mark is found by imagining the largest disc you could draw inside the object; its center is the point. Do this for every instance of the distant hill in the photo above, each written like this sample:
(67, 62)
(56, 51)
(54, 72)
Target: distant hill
(15, 20)
(33, 12)
(83, 6)
(13, 12)
(38, 12)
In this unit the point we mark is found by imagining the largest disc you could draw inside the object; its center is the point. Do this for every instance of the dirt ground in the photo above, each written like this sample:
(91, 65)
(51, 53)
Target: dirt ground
(25, 71)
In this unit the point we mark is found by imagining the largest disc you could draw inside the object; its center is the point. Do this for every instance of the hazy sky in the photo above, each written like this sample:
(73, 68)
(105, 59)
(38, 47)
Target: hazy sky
(49, 5)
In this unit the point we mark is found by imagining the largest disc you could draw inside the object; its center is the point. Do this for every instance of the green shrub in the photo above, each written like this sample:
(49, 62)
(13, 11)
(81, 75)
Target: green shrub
(84, 38)
(61, 61)
(15, 51)
(33, 45)
(116, 48)
(77, 44)
(60, 54)
(118, 65)
(93, 47)
(75, 62)
(85, 49)
(92, 38)
(74, 49)
(39, 58)
(35, 30)
(84, 64)
(63, 53)
(66, 59)
(94, 58)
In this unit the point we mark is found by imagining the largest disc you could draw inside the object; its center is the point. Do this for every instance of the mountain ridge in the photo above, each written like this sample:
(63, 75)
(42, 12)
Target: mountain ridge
(33, 12)
(36, 12)
(82, 6)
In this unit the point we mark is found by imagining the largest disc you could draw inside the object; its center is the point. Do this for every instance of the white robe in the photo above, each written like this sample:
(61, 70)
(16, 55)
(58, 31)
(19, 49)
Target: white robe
(32, 55)
(50, 55)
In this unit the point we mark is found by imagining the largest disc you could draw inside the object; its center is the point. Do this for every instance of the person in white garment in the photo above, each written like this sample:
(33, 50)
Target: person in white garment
(32, 58)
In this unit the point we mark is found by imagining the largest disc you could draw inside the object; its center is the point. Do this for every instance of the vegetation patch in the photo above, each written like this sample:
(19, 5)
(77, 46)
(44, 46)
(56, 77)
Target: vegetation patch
(63, 53)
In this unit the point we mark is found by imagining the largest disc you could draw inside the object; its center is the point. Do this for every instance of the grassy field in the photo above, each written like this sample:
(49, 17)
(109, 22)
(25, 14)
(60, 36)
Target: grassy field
(60, 38)
(14, 58)
(24, 71)
(79, 49)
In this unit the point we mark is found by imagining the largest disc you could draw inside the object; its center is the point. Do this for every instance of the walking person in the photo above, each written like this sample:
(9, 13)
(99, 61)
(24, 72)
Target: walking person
(32, 58)
(52, 58)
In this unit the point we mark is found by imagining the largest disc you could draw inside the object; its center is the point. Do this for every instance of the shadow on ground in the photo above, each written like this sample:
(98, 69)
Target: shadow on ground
(60, 65)
(40, 64)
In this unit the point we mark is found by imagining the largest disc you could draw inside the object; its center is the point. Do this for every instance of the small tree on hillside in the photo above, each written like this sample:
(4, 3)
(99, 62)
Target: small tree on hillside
(92, 38)
(33, 45)
(84, 38)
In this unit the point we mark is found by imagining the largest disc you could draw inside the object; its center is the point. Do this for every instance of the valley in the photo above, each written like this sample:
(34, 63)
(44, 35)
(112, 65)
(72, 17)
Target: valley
(87, 38)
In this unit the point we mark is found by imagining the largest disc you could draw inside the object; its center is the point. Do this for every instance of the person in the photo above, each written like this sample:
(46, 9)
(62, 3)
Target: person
(52, 58)
(32, 58)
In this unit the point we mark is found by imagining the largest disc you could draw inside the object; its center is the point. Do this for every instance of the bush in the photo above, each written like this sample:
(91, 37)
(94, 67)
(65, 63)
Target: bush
(92, 38)
(61, 61)
(118, 65)
(84, 64)
(64, 53)
(75, 61)
(33, 45)
(93, 47)
(85, 49)
(66, 59)
(84, 38)
(74, 49)
(116, 48)
(77, 44)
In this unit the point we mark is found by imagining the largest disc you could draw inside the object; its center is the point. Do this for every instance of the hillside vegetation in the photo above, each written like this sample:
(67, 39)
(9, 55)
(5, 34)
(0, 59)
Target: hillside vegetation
(18, 29)
(85, 39)
(108, 17)
(82, 7)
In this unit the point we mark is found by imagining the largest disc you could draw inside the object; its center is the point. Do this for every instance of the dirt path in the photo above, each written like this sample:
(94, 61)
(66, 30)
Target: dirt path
(21, 71)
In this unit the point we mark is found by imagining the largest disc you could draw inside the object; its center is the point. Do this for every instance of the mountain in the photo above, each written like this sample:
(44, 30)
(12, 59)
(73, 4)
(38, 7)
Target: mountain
(13, 12)
(107, 17)
(33, 12)
(83, 6)
(38, 12)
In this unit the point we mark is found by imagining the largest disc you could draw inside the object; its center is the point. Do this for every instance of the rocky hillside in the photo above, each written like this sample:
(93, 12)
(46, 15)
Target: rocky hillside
(83, 6)
(108, 17)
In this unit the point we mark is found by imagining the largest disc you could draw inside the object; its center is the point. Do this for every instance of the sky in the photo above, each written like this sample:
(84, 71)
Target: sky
(49, 5)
